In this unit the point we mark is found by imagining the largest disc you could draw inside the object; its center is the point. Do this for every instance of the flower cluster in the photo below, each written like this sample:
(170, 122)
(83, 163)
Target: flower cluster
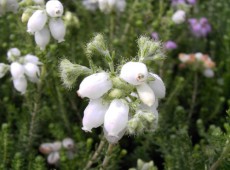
(198, 61)
(52, 150)
(105, 6)
(8, 6)
(44, 21)
(200, 27)
(123, 101)
(22, 68)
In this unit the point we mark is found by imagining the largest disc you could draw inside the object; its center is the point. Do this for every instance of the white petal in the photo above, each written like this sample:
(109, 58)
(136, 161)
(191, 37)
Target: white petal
(95, 85)
(20, 84)
(16, 69)
(57, 29)
(12, 6)
(114, 139)
(37, 21)
(42, 38)
(53, 158)
(54, 8)
(116, 117)
(157, 86)
(120, 5)
(134, 73)
(68, 143)
(94, 114)
(56, 146)
(32, 71)
(13, 53)
(146, 94)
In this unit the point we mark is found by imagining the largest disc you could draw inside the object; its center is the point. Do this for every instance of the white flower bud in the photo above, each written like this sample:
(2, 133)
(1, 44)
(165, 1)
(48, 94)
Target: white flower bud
(116, 117)
(53, 158)
(179, 16)
(68, 143)
(134, 73)
(146, 94)
(3, 69)
(208, 73)
(16, 70)
(57, 29)
(37, 21)
(46, 148)
(42, 38)
(56, 146)
(95, 85)
(20, 84)
(120, 5)
(13, 54)
(157, 86)
(94, 114)
(54, 8)
(29, 58)
(32, 71)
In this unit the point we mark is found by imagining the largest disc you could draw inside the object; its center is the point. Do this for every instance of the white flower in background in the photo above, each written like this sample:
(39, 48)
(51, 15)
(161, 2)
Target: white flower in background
(95, 85)
(37, 21)
(13, 54)
(57, 29)
(53, 158)
(42, 38)
(8, 6)
(20, 83)
(179, 17)
(91, 5)
(22, 68)
(94, 114)
(68, 143)
(54, 8)
(208, 73)
(116, 117)
(134, 73)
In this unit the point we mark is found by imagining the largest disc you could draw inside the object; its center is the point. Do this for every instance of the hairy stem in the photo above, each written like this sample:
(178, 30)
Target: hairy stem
(96, 154)
(107, 156)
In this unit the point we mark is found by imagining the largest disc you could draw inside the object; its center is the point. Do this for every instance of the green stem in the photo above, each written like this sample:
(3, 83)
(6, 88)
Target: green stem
(96, 154)
(194, 95)
(107, 157)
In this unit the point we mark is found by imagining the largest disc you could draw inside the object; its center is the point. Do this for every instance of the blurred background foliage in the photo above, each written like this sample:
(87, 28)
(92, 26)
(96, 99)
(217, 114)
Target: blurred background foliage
(191, 135)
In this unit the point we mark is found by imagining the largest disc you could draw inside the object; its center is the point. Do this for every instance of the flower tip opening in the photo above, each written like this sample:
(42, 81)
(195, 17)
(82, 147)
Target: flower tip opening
(86, 129)
(61, 40)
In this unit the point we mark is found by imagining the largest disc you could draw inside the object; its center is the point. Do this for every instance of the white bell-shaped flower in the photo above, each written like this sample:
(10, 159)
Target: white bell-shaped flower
(94, 114)
(157, 86)
(95, 85)
(120, 5)
(37, 21)
(3, 69)
(42, 38)
(20, 84)
(16, 70)
(134, 73)
(54, 8)
(32, 71)
(46, 148)
(57, 29)
(104, 6)
(146, 94)
(53, 158)
(29, 58)
(179, 17)
(208, 73)
(56, 146)
(12, 6)
(114, 139)
(13, 54)
(116, 117)
(68, 143)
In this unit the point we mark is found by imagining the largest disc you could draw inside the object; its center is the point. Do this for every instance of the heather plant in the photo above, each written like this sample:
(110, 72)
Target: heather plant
(105, 84)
